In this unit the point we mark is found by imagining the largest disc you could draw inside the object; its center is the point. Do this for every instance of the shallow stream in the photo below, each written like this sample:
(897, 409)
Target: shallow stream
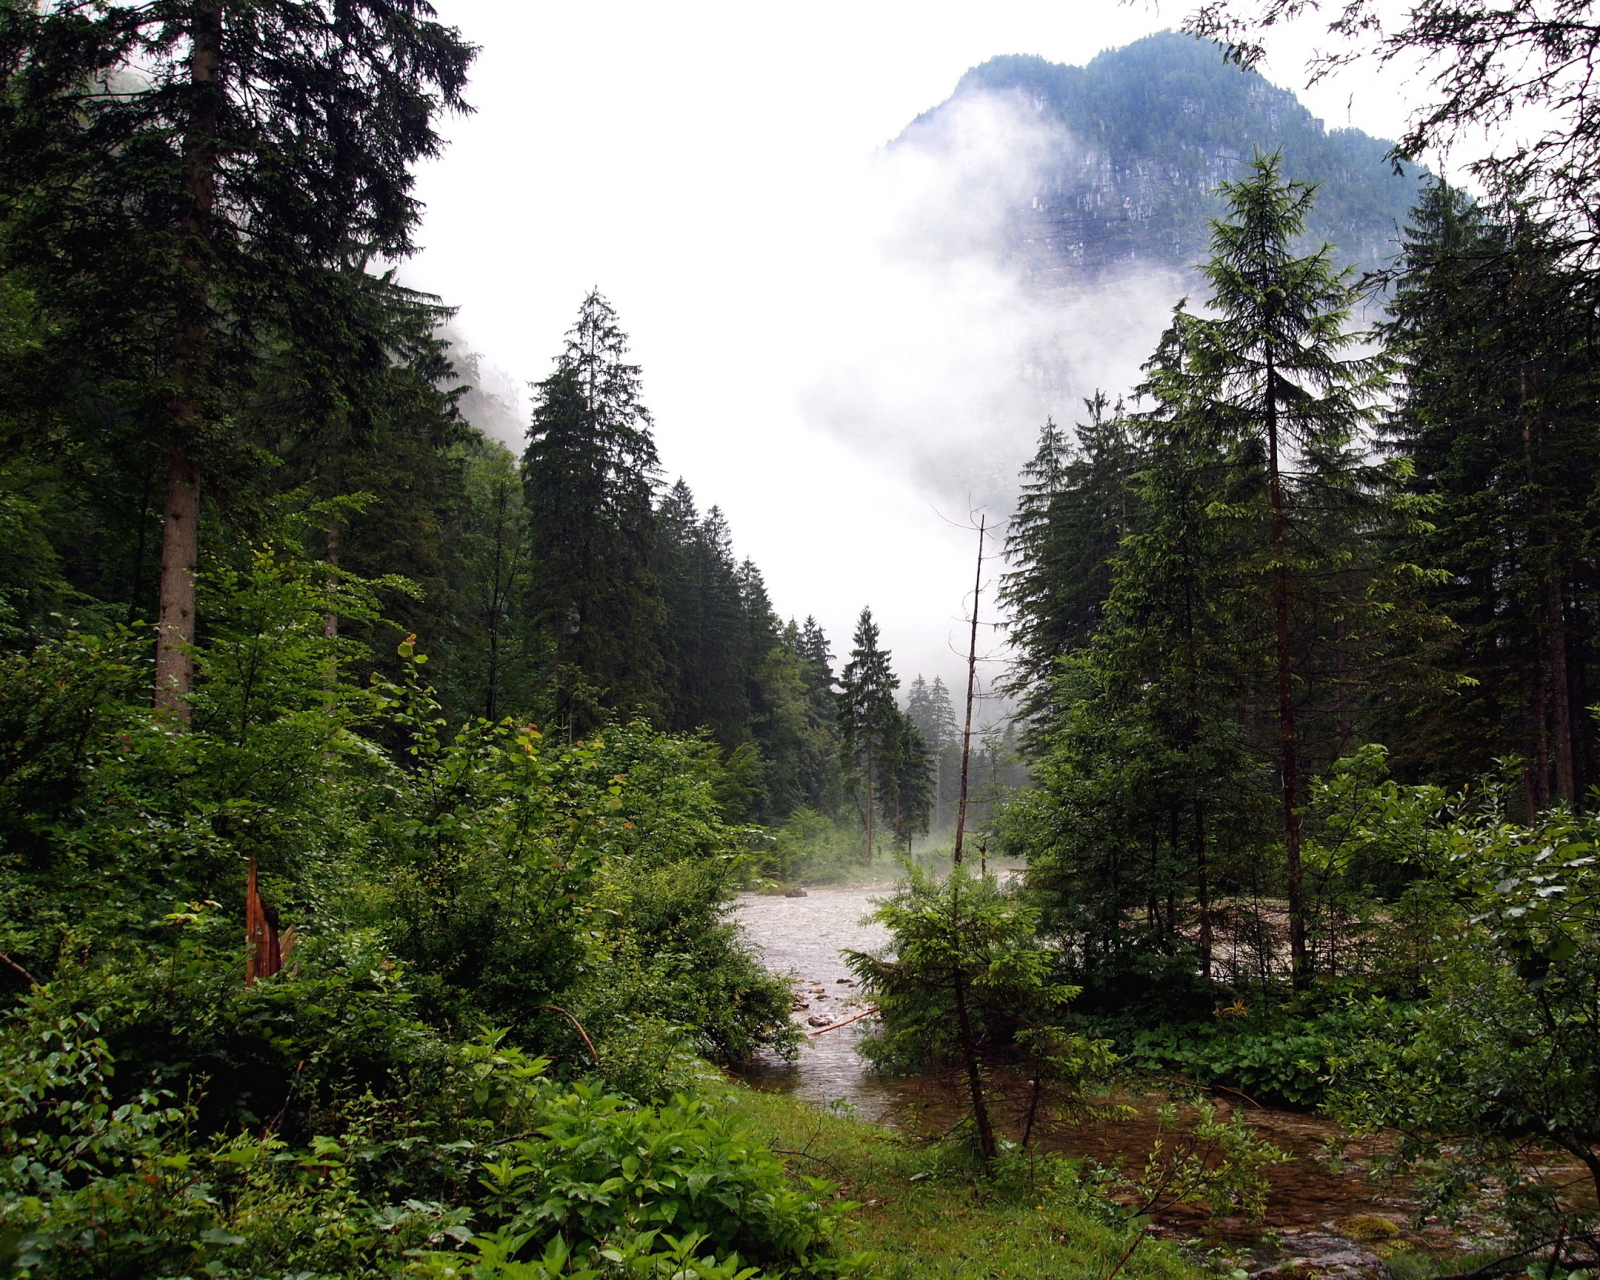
(1324, 1215)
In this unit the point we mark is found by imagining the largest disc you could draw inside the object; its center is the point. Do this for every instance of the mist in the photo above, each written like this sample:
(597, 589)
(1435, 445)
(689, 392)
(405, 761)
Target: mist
(841, 342)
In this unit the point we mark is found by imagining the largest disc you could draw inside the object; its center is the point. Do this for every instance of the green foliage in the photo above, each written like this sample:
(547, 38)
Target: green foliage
(1493, 328)
(1271, 1055)
(967, 981)
(1501, 1056)
(93, 1187)
(963, 933)
(601, 1169)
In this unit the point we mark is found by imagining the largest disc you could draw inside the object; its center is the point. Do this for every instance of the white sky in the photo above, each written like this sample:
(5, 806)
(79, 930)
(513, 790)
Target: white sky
(710, 166)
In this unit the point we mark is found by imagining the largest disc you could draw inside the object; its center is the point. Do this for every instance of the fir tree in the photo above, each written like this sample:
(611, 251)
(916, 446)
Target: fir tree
(589, 476)
(185, 184)
(1273, 367)
(905, 778)
(1495, 337)
(934, 715)
(867, 716)
(1074, 508)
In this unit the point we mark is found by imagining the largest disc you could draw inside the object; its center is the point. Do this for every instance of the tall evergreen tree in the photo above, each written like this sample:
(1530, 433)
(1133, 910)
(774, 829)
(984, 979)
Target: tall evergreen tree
(867, 716)
(822, 776)
(589, 476)
(1274, 366)
(1495, 334)
(932, 711)
(1075, 506)
(499, 648)
(905, 780)
(184, 183)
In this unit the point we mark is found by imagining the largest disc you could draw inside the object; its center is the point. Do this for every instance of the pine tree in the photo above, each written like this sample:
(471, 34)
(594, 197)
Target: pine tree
(184, 190)
(867, 716)
(589, 477)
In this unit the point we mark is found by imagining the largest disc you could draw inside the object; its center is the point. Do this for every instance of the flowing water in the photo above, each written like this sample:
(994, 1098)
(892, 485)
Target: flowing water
(1324, 1213)
(801, 938)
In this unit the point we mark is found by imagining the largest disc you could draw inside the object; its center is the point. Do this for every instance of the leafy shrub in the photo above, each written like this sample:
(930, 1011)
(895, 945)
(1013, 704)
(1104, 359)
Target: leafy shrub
(493, 1152)
(1275, 1056)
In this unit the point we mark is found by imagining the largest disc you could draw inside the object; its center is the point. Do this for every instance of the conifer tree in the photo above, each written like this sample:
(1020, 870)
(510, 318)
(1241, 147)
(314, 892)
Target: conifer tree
(934, 715)
(822, 777)
(1274, 367)
(589, 476)
(185, 183)
(496, 590)
(867, 716)
(1075, 506)
(905, 777)
(1494, 333)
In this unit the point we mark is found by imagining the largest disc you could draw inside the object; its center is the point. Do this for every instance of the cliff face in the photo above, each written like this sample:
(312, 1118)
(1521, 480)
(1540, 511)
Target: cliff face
(1136, 143)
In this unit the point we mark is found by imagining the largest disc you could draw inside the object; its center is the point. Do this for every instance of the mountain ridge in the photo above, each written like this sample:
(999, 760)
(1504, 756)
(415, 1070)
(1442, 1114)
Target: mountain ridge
(1157, 124)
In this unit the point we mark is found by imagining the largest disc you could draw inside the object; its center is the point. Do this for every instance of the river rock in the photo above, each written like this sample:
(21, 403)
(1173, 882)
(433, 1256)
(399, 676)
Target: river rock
(795, 892)
(1327, 1252)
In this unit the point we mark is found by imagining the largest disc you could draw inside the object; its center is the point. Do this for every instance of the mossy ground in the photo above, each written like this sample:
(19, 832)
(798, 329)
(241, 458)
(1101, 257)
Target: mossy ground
(927, 1214)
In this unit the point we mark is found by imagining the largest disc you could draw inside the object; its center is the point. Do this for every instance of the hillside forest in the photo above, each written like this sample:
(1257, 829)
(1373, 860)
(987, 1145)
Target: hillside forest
(374, 798)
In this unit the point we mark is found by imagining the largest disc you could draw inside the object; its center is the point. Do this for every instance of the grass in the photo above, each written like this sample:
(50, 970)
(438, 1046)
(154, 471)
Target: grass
(927, 1214)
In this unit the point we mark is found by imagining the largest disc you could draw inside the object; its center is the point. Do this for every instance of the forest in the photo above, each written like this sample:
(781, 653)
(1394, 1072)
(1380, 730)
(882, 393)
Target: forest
(375, 799)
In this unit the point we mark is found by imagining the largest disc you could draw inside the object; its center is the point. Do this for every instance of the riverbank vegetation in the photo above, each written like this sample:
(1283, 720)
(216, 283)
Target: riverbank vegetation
(1297, 540)
(372, 796)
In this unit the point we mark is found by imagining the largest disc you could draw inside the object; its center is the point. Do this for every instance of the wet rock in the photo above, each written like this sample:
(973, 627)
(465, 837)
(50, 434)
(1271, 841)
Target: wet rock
(796, 892)
(799, 1006)
(1323, 1253)
(819, 1020)
(1369, 1227)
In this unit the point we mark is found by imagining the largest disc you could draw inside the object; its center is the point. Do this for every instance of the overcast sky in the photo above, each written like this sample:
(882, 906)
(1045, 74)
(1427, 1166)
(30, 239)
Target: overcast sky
(715, 169)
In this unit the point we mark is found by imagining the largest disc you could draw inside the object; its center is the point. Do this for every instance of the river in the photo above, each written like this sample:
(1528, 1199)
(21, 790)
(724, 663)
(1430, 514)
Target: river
(1324, 1212)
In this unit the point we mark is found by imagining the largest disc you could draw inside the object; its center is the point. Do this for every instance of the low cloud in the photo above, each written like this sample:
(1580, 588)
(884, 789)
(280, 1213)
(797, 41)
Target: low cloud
(947, 353)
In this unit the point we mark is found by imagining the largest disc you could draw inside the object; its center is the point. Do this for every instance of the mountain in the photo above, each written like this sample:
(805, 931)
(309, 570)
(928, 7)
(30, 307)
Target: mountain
(1142, 135)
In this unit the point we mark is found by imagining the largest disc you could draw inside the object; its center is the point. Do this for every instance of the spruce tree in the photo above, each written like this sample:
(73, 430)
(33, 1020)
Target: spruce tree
(934, 715)
(184, 183)
(1495, 337)
(1274, 368)
(867, 716)
(905, 778)
(822, 776)
(1075, 506)
(589, 476)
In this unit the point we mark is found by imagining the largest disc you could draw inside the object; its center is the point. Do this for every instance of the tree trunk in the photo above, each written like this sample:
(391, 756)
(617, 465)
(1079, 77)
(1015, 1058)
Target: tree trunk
(190, 349)
(1541, 727)
(870, 799)
(1202, 887)
(972, 676)
(1287, 745)
(180, 549)
(1560, 685)
(330, 621)
(969, 1051)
